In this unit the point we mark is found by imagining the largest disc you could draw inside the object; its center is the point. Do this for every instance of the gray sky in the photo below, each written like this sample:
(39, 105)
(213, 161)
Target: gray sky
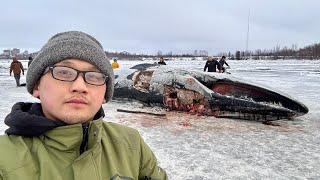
(147, 26)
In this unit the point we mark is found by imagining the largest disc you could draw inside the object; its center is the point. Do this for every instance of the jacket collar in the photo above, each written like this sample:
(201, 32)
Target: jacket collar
(69, 137)
(27, 119)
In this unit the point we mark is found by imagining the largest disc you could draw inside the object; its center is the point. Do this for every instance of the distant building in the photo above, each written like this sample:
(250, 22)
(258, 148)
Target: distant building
(195, 53)
(203, 53)
(169, 53)
(125, 53)
(238, 55)
(7, 52)
(15, 51)
(25, 53)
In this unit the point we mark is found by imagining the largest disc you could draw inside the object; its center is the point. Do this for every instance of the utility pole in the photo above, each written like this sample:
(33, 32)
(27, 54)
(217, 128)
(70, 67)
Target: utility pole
(247, 42)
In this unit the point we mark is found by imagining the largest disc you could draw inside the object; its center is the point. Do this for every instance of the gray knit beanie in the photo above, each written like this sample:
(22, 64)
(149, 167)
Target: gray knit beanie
(67, 45)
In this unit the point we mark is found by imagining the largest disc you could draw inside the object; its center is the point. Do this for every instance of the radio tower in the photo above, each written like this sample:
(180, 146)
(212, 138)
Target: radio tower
(247, 42)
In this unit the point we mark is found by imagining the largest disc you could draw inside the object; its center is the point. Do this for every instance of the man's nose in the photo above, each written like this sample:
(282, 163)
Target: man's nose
(79, 84)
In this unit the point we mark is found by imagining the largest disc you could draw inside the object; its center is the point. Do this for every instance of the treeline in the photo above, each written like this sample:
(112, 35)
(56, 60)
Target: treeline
(126, 55)
(308, 52)
(133, 56)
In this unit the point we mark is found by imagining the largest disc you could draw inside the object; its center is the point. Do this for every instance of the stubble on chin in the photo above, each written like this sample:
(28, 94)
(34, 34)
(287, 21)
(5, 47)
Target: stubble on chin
(75, 118)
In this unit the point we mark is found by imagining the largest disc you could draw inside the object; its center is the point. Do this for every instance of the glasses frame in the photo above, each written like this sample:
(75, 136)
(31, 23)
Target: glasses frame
(50, 68)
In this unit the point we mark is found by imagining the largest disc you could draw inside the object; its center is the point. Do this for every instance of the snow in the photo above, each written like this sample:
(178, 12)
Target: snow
(199, 147)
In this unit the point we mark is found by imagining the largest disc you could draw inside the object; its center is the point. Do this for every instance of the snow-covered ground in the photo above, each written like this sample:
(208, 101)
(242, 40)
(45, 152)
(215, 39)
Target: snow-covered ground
(198, 147)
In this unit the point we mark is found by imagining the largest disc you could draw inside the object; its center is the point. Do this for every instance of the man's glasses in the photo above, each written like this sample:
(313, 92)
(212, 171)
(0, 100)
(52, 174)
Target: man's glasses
(64, 73)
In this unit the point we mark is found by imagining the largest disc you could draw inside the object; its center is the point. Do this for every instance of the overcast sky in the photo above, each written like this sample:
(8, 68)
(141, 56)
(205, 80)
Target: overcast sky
(147, 26)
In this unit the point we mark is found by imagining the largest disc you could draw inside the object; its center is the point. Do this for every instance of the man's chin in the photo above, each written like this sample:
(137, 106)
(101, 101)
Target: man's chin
(75, 119)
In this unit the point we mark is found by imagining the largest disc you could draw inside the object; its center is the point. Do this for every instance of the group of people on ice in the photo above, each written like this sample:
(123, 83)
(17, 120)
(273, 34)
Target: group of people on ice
(213, 65)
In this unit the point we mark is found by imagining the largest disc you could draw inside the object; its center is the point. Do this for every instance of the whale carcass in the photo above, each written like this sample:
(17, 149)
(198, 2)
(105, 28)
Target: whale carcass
(212, 94)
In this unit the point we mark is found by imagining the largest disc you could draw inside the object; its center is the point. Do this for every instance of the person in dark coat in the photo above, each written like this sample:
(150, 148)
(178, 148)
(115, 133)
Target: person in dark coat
(212, 65)
(16, 67)
(162, 61)
(222, 63)
(30, 60)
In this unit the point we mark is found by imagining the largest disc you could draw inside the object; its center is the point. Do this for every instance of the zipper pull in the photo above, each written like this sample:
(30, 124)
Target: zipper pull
(85, 130)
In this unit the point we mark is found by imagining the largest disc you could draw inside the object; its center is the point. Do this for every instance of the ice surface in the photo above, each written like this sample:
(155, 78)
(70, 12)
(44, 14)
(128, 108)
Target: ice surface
(198, 147)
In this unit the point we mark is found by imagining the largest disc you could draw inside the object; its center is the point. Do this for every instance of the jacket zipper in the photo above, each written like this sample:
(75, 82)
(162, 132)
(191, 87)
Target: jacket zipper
(85, 130)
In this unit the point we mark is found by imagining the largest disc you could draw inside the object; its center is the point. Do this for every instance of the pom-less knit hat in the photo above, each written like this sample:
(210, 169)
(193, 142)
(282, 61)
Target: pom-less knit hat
(70, 45)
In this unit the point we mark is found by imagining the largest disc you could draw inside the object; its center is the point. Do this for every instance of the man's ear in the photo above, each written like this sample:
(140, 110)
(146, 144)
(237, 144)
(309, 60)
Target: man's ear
(36, 91)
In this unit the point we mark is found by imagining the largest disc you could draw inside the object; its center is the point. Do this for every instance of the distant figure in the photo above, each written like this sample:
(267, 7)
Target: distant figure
(16, 67)
(30, 60)
(162, 61)
(115, 64)
(222, 62)
(212, 65)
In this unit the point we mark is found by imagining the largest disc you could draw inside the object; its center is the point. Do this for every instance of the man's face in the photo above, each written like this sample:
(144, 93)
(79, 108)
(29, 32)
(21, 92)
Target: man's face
(71, 102)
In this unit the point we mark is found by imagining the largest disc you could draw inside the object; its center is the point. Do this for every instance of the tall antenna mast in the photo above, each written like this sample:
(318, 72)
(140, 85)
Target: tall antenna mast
(247, 42)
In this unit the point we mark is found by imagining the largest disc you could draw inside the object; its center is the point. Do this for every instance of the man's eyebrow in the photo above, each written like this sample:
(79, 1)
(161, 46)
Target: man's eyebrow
(69, 63)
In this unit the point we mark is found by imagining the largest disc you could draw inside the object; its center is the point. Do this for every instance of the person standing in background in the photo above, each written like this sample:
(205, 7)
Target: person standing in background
(16, 67)
(222, 62)
(115, 64)
(162, 61)
(30, 60)
(212, 65)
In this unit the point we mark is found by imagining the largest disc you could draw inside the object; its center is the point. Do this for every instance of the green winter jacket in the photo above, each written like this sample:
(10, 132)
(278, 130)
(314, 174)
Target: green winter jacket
(112, 152)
